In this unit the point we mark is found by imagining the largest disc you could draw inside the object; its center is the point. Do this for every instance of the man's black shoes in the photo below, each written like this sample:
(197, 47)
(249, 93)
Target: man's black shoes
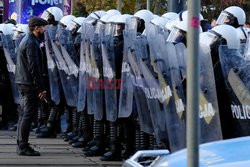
(27, 151)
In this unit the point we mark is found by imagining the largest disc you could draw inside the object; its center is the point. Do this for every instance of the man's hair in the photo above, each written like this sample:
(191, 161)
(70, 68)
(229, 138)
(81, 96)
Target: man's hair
(36, 21)
(31, 29)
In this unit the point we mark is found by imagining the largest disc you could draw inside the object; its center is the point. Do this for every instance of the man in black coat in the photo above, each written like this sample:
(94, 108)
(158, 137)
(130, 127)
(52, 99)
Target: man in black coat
(30, 82)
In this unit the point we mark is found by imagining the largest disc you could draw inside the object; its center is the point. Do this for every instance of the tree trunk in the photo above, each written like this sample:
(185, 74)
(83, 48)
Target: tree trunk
(157, 6)
(138, 5)
(119, 5)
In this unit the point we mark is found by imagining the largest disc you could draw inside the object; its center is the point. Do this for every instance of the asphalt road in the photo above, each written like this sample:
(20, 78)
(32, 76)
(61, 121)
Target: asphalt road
(54, 152)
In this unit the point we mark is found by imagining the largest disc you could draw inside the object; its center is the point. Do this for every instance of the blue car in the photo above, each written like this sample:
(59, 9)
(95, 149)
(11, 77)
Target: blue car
(224, 153)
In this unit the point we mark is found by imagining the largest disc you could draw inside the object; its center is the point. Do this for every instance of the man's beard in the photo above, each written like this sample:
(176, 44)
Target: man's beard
(41, 36)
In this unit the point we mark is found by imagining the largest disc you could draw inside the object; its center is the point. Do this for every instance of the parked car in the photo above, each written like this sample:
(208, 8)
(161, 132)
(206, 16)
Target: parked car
(224, 153)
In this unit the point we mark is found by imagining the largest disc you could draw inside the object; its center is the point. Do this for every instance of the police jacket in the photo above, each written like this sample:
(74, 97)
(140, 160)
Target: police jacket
(29, 65)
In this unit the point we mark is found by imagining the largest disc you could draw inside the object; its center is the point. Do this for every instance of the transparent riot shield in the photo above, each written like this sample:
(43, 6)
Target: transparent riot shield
(127, 89)
(140, 85)
(97, 75)
(247, 48)
(160, 54)
(181, 52)
(52, 71)
(134, 50)
(152, 32)
(67, 41)
(236, 76)
(10, 56)
(69, 55)
(176, 81)
(177, 91)
(63, 73)
(109, 73)
(18, 40)
(89, 69)
(209, 110)
(82, 94)
(62, 67)
(242, 48)
(174, 107)
(156, 38)
(152, 120)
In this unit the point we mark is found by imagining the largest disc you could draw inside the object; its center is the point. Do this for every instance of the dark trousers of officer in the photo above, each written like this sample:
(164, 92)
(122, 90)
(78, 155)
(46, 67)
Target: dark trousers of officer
(29, 108)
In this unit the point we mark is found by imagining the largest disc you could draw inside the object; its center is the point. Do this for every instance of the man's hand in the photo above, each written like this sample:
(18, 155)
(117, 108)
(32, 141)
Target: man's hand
(42, 95)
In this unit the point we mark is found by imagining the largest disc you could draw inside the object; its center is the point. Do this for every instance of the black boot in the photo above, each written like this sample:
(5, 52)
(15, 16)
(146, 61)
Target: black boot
(96, 150)
(68, 114)
(115, 145)
(85, 130)
(144, 141)
(114, 154)
(92, 142)
(75, 120)
(69, 120)
(77, 129)
(129, 134)
(39, 119)
(77, 143)
(51, 125)
(70, 136)
(98, 141)
(152, 142)
(74, 139)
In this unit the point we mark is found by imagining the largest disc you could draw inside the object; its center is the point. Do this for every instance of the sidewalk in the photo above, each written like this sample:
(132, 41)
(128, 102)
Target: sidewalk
(54, 152)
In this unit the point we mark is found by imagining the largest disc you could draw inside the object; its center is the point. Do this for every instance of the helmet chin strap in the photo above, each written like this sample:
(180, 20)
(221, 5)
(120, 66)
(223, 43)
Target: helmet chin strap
(97, 16)
(243, 32)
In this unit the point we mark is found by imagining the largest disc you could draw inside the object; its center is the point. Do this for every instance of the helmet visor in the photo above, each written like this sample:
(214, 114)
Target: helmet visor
(72, 25)
(109, 29)
(99, 27)
(118, 29)
(225, 18)
(45, 15)
(176, 35)
(91, 20)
